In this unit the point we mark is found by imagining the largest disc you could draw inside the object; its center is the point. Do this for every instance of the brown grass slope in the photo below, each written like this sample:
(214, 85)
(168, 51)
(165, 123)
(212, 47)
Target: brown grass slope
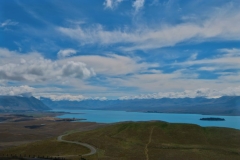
(168, 141)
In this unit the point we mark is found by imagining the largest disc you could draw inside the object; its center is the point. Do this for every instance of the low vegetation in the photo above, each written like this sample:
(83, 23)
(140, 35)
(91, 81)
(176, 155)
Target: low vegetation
(144, 141)
(47, 148)
(163, 141)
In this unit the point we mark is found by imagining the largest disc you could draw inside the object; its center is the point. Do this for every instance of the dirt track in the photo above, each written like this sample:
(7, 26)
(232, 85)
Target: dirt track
(92, 149)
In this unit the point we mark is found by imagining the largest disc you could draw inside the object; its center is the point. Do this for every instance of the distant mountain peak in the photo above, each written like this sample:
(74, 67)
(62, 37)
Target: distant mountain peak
(21, 103)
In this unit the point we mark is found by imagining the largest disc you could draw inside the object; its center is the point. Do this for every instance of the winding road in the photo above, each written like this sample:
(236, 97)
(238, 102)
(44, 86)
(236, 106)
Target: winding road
(93, 150)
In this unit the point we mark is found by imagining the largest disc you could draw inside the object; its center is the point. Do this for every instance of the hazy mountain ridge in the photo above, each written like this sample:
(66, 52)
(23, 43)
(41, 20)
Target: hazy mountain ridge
(18, 103)
(226, 105)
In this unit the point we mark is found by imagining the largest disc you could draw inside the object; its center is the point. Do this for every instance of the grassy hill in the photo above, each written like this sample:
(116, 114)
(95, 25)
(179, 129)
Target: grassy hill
(146, 141)
(160, 140)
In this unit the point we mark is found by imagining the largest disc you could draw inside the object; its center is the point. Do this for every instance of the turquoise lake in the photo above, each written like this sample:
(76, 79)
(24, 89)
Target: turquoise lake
(106, 116)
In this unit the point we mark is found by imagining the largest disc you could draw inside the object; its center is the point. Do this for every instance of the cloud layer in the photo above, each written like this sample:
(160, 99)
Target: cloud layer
(69, 97)
(13, 91)
(171, 48)
(202, 92)
(113, 64)
(217, 26)
(32, 67)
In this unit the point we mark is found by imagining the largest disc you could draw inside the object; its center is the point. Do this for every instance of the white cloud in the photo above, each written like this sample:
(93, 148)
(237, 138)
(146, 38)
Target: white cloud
(32, 67)
(66, 97)
(138, 4)
(193, 56)
(233, 52)
(175, 81)
(155, 3)
(207, 69)
(158, 81)
(111, 3)
(69, 97)
(28, 91)
(222, 24)
(8, 23)
(96, 34)
(230, 77)
(66, 53)
(228, 60)
(187, 75)
(76, 70)
(16, 90)
(113, 64)
(108, 3)
(202, 92)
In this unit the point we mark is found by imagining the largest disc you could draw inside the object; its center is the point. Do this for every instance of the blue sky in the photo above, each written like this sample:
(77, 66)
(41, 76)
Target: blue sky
(120, 48)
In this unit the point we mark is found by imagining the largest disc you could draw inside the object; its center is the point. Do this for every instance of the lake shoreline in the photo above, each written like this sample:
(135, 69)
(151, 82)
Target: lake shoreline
(107, 116)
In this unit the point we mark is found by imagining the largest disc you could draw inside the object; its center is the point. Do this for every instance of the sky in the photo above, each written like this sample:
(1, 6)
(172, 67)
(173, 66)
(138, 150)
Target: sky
(119, 49)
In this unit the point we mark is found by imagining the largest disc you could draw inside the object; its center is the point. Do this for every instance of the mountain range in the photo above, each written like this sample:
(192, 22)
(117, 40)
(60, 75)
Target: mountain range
(226, 105)
(20, 103)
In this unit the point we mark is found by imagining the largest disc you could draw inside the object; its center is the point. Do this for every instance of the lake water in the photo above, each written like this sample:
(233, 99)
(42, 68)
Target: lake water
(106, 116)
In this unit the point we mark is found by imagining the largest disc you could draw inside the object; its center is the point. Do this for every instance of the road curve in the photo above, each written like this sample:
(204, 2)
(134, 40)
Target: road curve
(92, 149)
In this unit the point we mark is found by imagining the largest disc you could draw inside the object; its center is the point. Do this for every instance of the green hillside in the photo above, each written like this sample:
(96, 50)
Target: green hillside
(145, 141)
(160, 140)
